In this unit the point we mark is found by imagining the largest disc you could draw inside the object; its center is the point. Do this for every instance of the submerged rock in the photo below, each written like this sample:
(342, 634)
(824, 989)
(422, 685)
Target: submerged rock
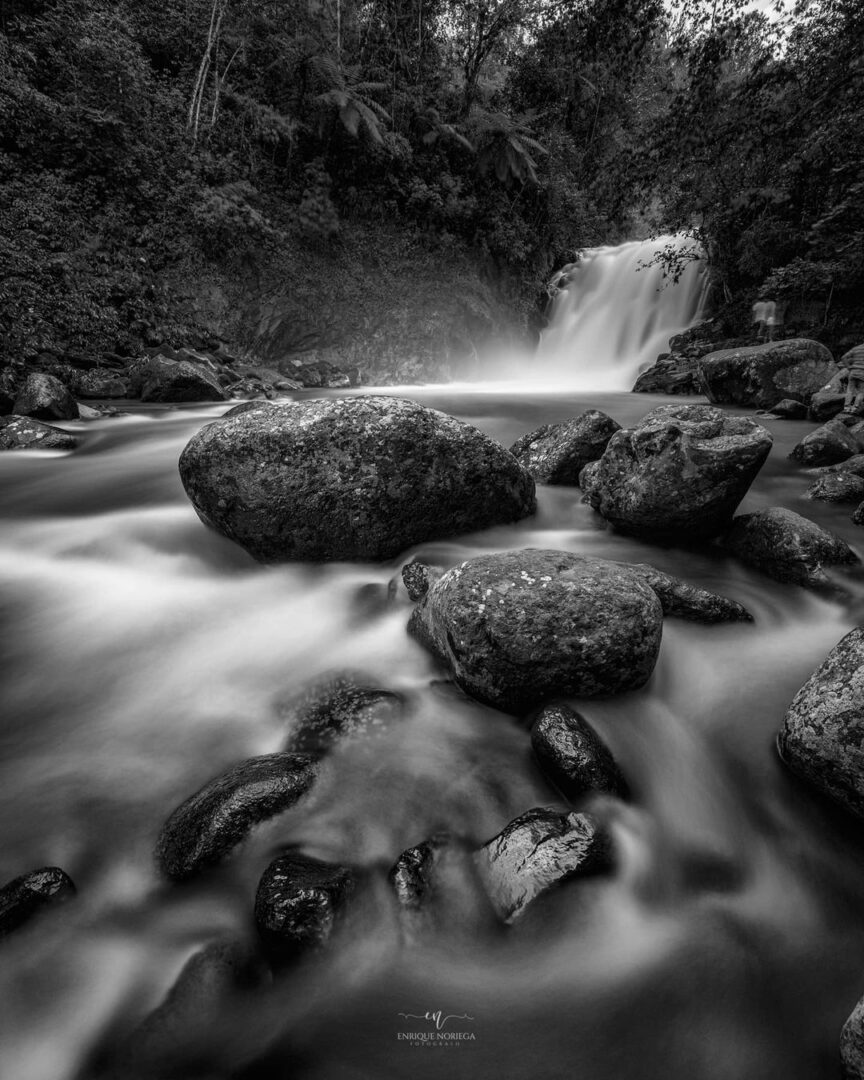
(537, 850)
(158, 379)
(336, 708)
(573, 756)
(412, 875)
(557, 453)
(826, 445)
(205, 828)
(838, 488)
(787, 409)
(822, 738)
(44, 397)
(23, 433)
(679, 474)
(684, 601)
(763, 375)
(297, 902)
(788, 547)
(349, 478)
(31, 894)
(519, 627)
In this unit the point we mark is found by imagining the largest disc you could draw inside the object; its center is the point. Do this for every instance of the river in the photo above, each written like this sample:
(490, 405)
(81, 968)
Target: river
(143, 653)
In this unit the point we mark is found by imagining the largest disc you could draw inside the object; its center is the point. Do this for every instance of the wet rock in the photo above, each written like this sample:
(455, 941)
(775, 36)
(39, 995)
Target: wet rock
(159, 379)
(670, 374)
(517, 628)
(826, 445)
(763, 375)
(852, 1044)
(338, 708)
(207, 1024)
(858, 515)
(23, 433)
(349, 478)
(557, 453)
(412, 875)
(205, 828)
(788, 547)
(297, 903)
(839, 487)
(539, 849)
(822, 738)
(787, 409)
(31, 894)
(99, 383)
(684, 601)
(573, 756)
(418, 577)
(44, 397)
(853, 466)
(679, 474)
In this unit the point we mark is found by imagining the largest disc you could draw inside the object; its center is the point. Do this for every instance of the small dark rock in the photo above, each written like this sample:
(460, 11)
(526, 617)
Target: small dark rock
(787, 409)
(684, 601)
(338, 708)
(557, 453)
(788, 547)
(23, 433)
(44, 397)
(297, 902)
(540, 848)
(826, 445)
(29, 895)
(412, 875)
(573, 756)
(204, 829)
(838, 488)
(418, 577)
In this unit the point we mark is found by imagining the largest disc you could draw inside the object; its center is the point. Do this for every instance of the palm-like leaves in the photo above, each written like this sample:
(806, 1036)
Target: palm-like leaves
(349, 98)
(506, 148)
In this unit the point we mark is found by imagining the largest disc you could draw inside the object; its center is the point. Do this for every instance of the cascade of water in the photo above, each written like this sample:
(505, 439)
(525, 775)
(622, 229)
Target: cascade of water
(614, 314)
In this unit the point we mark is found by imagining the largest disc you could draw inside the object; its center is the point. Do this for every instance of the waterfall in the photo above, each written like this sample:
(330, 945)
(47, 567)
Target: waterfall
(613, 315)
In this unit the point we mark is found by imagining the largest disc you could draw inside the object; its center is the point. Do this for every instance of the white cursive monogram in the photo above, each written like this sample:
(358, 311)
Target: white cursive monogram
(439, 1019)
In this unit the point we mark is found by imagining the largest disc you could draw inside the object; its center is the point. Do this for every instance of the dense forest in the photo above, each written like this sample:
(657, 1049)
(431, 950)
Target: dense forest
(390, 170)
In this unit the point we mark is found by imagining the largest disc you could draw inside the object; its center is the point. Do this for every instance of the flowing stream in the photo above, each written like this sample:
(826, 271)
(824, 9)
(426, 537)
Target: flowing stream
(142, 654)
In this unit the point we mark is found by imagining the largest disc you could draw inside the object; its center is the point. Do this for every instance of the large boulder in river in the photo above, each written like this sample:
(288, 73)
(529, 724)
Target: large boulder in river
(557, 453)
(349, 478)
(837, 487)
(158, 379)
(822, 738)
(679, 474)
(519, 627)
(44, 397)
(831, 443)
(763, 375)
(788, 547)
(204, 829)
(23, 433)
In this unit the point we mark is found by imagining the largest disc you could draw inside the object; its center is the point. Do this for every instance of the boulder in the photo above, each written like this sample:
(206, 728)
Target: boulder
(519, 627)
(99, 383)
(788, 547)
(204, 829)
(158, 379)
(670, 374)
(763, 375)
(417, 577)
(557, 453)
(684, 601)
(537, 850)
(822, 737)
(573, 756)
(297, 902)
(852, 1044)
(44, 397)
(828, 444)
(31, 894)
(679, 474)
(852, 466)
(337, 708)
(22, 433)
(787, 409)
(839, 487)
(349, 478)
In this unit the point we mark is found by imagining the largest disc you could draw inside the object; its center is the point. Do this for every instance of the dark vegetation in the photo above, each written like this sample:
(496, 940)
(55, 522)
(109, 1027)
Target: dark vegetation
(378, 158)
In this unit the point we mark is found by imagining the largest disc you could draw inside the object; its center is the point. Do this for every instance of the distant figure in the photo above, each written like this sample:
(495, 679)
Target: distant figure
(854, 361)
(760, 316)
(773, 318)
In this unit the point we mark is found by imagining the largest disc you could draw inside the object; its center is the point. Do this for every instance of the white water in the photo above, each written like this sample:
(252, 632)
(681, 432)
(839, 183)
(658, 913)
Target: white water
(614, 315)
